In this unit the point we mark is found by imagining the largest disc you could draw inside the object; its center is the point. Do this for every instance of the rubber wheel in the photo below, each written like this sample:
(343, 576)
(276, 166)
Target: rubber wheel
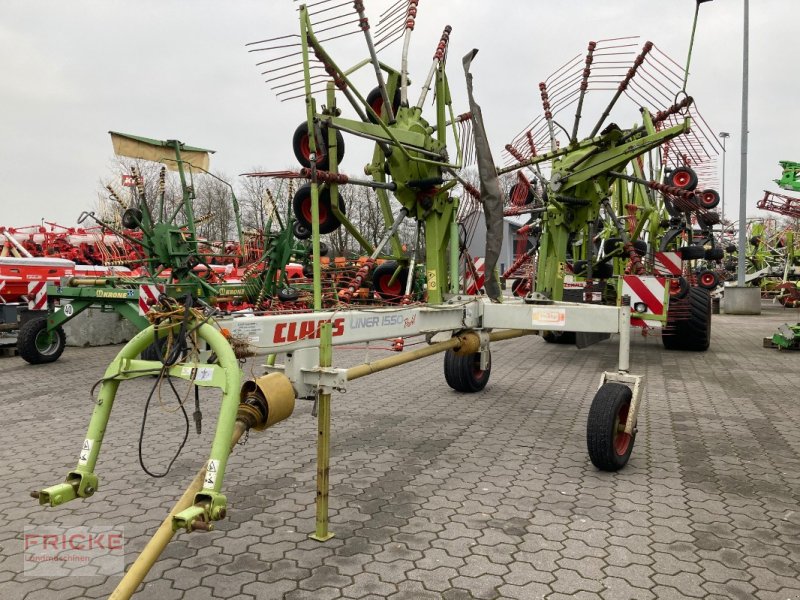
(599, 271)
(683, 178)
(301, 231)
(715, 254)
(692, 252)
(689, 322)
(463, 373)
(520, 194)
(707, 279)
(381, 277)
(38, 346)
(559, 337)
(678, 288)
(288, 294)
(375, 101)
(708, 199)
(302, 150)
(301, 204)
(611, 245)
(155, 350)
(731, 249)
(609, 446)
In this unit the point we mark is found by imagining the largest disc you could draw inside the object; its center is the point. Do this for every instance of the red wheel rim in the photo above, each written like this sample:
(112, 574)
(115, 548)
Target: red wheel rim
(306, 210)
(674, 287)
(305, 149)
(390, 290)
(681, 179)
(622, 440)
(708, 198)
(476, 367)
(377, 106)
(707, 279)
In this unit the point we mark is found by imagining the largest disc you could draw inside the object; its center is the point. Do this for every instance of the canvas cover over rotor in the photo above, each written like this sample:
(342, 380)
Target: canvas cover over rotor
(491, 196)
(133, 146)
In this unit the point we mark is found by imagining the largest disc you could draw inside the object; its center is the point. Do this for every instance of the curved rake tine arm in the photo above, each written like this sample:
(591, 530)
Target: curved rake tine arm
(587, 71)
(364, 23)
(438, 56)
(411, 15)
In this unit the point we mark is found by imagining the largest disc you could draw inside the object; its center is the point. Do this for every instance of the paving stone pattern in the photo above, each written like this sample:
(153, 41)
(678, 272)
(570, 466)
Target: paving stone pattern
(440, 495)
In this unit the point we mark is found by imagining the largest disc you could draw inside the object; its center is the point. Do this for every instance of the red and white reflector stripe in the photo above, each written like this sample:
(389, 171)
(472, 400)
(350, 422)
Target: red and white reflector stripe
(472, 286)
(37, 295)
(148, 296)
(668, 263)
(2, 285)
(649, 291)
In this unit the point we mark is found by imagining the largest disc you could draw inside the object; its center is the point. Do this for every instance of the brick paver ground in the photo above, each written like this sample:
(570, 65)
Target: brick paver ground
(440, 495)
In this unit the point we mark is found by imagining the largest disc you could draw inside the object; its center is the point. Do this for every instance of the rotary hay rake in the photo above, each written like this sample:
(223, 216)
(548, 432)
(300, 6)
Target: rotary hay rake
(602, 224)
(411, 160)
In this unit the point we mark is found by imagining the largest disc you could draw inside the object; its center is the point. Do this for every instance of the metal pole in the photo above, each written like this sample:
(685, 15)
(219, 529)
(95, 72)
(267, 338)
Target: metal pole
(724, 135)
(743, 175)
(321, 532)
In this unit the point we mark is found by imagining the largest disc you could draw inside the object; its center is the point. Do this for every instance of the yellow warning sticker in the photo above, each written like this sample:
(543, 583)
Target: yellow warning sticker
(433, 282)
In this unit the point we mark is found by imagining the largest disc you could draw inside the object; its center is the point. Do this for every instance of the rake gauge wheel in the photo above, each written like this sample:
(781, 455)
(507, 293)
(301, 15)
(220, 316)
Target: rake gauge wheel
(302, 147)
(375, 101)
(683, 178)
(463, 373)
(301, 204)
(609, 446)
(382, 281)
(707, 279)
(709, 199)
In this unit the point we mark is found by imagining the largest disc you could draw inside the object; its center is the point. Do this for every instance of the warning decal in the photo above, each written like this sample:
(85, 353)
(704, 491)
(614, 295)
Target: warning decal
(85, 452)
(212, 468)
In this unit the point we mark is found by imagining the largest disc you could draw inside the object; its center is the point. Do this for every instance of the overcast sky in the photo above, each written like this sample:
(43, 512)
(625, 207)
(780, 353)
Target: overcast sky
(71, 71)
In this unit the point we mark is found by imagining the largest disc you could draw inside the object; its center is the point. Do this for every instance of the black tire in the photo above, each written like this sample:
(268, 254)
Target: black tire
(708, 199)
(463, 373)
(520, 194)
(601, 270)
(682, 178)
(731, 249)
(301, 231)
(612, 245)
(38, 346)
(707, 279)
(689, 322)
(715, 253)
(302, 152)
(301, 205)
(560, 337)
(154, 351)
(609, 447)
(381, 277)
(708, 219)
(375, 101)
(692, 252)
(288, 294)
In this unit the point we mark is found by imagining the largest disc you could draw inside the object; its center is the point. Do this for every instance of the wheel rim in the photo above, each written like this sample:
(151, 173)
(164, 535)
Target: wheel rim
(622, 440)
(323, 211)
(377, 106)
(680, 179)
(708, 198)
(305, 149)
(477, 372)
(388, 289)
(707, 279)
(46, 343)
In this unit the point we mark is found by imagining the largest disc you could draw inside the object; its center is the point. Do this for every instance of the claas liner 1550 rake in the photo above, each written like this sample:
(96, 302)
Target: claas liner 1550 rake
(413, 162)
